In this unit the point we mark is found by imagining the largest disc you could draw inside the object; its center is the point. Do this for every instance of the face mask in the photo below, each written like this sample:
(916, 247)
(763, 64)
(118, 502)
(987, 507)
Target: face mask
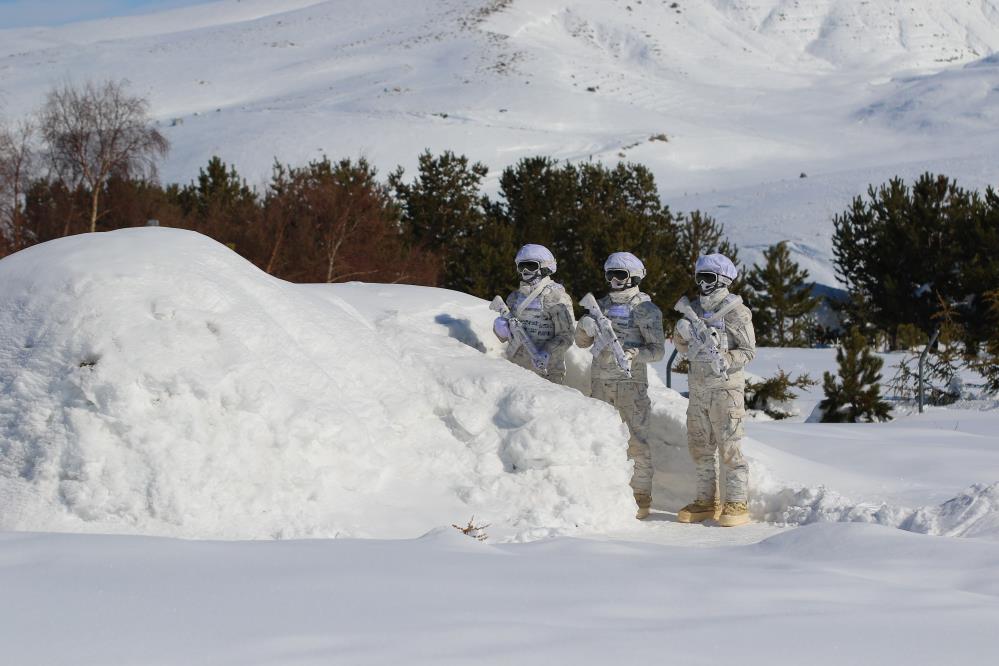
(707, 282)
(618, 279)
(529, 270)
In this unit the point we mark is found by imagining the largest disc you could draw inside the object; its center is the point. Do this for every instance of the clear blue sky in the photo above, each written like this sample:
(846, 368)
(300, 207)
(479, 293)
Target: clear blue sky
(22, 13)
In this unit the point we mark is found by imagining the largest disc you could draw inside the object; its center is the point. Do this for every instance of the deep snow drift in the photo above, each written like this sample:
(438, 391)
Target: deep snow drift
(154, 382)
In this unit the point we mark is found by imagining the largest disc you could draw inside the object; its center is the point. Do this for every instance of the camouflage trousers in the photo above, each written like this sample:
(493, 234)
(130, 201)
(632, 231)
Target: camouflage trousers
(714, 436)
(556, 366)
(632, 402)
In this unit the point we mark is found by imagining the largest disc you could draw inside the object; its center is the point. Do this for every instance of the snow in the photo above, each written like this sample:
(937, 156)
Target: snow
(311, 445)
(824, 594)
(157, 383)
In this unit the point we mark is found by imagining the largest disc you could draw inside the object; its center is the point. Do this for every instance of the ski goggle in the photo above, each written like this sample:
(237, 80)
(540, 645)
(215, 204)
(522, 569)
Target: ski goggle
(618, 274)
(704, 278)
(528, 266)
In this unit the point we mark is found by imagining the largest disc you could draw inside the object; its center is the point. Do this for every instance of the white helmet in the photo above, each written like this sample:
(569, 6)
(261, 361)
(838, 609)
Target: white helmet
(713, 271)
(534, 262)
(623, 270)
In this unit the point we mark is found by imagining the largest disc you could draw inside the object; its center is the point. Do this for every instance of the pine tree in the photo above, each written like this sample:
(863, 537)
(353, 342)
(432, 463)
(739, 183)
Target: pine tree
(987, 361)
(488, 258)
(781, 298)
(443, 211)
(583, 213)
(978, 248)
(219, 190)
(904, 246)
(697, 234)
(857, 396)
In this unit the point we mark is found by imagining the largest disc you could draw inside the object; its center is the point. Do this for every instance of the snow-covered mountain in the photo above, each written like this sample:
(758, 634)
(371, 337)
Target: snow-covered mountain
(749, 93)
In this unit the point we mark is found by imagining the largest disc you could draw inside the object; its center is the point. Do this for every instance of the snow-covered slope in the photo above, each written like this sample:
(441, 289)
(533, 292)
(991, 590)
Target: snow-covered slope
(152, 381)
(750, 93)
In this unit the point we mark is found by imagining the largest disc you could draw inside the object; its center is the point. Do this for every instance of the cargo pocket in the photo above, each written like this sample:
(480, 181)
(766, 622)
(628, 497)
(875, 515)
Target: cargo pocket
(732, 426)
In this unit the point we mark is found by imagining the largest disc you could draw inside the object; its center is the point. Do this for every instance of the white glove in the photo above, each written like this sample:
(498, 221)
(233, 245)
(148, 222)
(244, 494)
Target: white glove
(501, 327)
(631, 353)
(714, 337)
(589, 325)
(684, 330)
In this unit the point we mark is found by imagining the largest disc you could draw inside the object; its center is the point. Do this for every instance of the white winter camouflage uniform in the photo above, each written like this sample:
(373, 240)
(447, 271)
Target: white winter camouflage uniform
(717, 409)
(549, 322)
(638, 324)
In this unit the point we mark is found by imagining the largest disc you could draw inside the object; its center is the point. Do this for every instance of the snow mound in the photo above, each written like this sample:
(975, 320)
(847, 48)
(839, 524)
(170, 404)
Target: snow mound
(972, 513)
(153, 382)
(400, 311)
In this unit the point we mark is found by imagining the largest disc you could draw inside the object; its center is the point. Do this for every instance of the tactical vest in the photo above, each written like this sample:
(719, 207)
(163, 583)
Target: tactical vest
(536, 321)
(622, 316)
(623, 320)
(716, 318)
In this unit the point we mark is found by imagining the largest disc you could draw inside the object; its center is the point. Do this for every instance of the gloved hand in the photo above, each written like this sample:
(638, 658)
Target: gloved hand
(715, 340)
(589, 325)
(726, 363)
(631, 353)
(501, 327)
(683, 330)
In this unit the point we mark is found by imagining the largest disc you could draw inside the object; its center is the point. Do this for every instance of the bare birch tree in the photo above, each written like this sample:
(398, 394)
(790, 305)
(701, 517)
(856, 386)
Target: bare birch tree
(98, 131)
(17, 167)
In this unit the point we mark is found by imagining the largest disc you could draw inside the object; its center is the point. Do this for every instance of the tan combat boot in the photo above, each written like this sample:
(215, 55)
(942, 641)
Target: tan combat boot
(644, 501)
(734, 513)
(699, 510)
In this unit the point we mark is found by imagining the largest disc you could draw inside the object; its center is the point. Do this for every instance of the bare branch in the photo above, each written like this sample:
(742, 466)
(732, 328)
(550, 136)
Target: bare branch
(18, 165)
(99, 131)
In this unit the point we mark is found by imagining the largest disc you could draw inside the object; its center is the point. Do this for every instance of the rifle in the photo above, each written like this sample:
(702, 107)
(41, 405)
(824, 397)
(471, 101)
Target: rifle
(693, 329)
(520, 336)
(606, 337)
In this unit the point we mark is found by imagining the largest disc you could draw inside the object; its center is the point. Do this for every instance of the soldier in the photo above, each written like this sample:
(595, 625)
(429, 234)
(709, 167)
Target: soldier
(638, 326)
(544, 310)
(718, 339)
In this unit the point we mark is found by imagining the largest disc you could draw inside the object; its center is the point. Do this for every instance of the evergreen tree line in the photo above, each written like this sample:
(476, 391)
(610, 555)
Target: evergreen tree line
(921, 265)
(335, 221)
(915, 258)
(582, 212)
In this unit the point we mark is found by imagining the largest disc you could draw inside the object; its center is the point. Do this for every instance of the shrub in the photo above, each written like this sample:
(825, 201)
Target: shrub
(774, 395)
(857, 394)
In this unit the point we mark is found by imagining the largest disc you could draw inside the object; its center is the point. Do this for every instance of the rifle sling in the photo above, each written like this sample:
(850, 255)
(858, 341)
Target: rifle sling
(725, 309)
(544, 282)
